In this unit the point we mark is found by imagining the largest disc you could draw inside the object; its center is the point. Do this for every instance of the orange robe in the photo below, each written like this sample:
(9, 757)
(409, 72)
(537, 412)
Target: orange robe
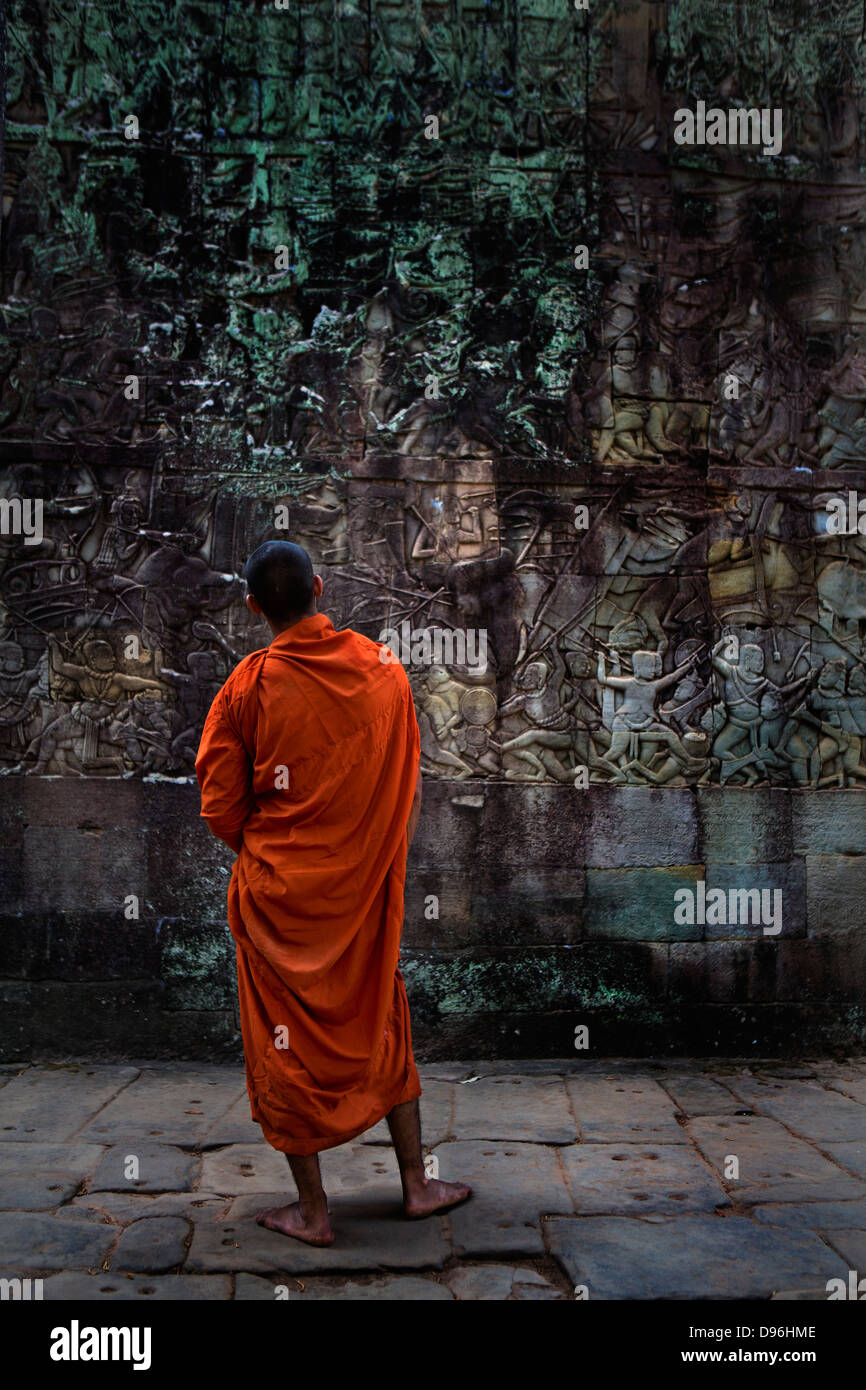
(315, 901)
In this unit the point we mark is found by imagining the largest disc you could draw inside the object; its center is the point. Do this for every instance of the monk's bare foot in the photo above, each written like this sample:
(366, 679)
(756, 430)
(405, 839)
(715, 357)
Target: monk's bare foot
(434, 1195)
(290, 1221)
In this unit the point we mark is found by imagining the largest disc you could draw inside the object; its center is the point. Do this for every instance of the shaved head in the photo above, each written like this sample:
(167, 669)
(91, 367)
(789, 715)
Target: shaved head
(279, 576)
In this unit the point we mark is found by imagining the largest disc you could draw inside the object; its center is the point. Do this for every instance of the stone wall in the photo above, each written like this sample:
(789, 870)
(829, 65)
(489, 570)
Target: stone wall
(434, 291)
(554, 912)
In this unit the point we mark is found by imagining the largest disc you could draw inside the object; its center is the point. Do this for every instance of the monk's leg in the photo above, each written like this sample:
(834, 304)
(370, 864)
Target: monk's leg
(421, 1195)
(307, 1219)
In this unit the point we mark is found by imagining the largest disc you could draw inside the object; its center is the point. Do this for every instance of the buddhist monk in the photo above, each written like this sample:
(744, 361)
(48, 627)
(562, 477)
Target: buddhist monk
(309, 771)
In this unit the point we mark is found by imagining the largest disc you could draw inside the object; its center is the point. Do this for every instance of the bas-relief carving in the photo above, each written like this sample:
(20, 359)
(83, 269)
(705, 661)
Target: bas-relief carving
(702, 630)
(110, 649)
(716, 637)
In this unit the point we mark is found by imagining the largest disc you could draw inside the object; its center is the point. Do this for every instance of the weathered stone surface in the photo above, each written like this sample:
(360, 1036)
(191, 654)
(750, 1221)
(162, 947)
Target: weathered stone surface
(37, 1176)
(635, 1160)
(851, 1246)
(523, 990)
(240, 1168)
(805, 1107)
(55, 1103)
(78, 1287)
(719, 972)
(249, 1168)
(107, 1019)
(173, 1108)
(482, 1283)
(815, 1216)
(850, 1155)
(81, 946)
(789, 879)
(161, 1168)
(626, 1110)
(744, 830)
(537, 1293)
(835, 891)
(850, 1085)
(36, 1191)
(371, 1234)
(521, 905)
(236, 1126)
(639, 904)
(697, 1257)
(635, 826)
(774, 1165)
(35, 1241)
(816, 1293)
(121, 1207)
(398, 1288)
(495, 1283)
(514, 1107)
(97, 878)
(448, 836)
(152, 1245)
(395, 1288)
(513, 1183)
(828, 822)
(640, 1179)
(360, 1168)
(547, 826)
(700, 1095)
(807, 970)
(452, 924)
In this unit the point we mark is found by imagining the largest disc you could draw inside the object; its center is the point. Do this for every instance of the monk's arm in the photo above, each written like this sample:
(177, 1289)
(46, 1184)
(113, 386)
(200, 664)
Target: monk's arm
(415, 811)
(225, 777)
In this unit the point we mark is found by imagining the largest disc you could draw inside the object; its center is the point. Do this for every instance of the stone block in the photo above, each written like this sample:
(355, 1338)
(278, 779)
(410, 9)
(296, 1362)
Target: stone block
(694, 1257)
(640, 1178)
(753, 918)
(835, 892)
(739, 825)
(513, 1184)
(828, 821)
(153, 1245)
(632, 826)
(773, 1165)
(533, 1109)
(638, 904)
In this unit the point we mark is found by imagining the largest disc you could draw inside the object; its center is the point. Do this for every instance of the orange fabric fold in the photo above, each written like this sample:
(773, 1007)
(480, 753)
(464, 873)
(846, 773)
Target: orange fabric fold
(307, 768)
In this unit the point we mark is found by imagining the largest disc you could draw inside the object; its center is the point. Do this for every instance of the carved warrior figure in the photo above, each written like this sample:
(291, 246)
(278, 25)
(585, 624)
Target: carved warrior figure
(538, 698)
(195, 690)
(635, 723)
(142, 727)
(74, 737)
(454, 724)
(755, 713)
(21, 693)
(842, 431)
(824, 739)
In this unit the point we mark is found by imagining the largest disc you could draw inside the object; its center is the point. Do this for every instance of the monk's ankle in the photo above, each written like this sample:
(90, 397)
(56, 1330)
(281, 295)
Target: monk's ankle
(314, 1213)
(414, 1180)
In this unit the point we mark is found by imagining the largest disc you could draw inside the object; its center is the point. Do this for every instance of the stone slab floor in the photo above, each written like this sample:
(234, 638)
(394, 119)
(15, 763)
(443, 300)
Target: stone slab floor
(626, 1180)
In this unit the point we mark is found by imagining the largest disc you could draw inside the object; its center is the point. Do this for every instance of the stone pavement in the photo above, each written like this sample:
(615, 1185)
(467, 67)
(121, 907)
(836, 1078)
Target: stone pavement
(648, 1180)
